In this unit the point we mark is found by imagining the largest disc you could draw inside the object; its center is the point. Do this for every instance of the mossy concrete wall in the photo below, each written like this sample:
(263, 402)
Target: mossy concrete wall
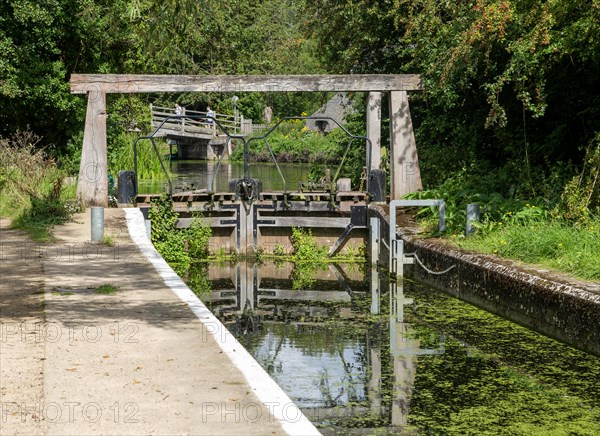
(560, 308)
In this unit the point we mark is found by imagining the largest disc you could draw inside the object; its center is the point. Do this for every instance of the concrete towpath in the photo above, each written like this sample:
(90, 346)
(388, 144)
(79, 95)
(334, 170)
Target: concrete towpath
(140, 356)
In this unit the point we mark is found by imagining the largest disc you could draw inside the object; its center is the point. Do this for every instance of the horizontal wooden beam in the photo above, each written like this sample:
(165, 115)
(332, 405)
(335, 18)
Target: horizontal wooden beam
(135, 83)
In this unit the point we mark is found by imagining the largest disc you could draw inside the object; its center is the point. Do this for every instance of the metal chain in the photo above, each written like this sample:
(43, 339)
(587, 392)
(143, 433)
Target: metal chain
(437, 273)
(363, 178)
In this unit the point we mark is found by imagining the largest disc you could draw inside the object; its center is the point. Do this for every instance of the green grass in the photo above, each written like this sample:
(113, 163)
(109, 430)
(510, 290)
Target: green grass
(108, 240)
(551, 243)
(540, 231)
(106, 289)
(32, 193)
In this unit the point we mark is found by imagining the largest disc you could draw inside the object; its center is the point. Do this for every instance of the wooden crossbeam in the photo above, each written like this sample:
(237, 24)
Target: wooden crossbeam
(137, 83)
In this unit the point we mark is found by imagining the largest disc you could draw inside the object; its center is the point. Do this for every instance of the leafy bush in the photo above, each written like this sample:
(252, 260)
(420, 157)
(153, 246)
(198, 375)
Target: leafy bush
(581, 195)
(172, 249)
(292, 142)
(179, 247)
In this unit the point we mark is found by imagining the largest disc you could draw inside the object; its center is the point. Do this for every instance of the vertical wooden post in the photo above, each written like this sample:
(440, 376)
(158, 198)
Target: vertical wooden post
(405, 176)
(92, 186)
(374, 128)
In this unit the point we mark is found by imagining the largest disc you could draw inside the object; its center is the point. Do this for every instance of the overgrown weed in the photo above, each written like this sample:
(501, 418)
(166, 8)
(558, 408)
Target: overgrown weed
(179, 247)
(32, 193)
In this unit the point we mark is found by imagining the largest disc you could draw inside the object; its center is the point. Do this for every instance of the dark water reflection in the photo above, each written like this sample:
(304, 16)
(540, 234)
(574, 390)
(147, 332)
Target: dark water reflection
(196, 174)
(362, 356)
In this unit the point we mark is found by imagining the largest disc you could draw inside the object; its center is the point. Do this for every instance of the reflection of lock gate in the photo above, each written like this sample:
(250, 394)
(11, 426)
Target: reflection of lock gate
(248, 297)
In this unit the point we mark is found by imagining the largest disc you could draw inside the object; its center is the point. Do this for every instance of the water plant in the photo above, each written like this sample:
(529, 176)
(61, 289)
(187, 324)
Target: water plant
(121, 157)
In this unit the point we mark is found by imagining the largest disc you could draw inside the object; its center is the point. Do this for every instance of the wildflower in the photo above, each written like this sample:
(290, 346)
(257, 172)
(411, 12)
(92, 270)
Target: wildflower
(303, 114)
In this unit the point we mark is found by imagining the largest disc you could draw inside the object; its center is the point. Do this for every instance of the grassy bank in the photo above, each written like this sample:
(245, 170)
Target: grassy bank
(551, 220)
(552, 243)
(293, 142)
(532, 235)
(32, 190)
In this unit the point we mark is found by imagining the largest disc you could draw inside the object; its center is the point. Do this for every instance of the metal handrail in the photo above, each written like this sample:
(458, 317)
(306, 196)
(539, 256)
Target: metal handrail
(397, 257)
(231, 121)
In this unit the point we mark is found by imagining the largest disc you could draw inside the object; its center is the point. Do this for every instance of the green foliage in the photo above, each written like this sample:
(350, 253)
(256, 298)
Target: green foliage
(293, 142)
(172, 249)
(179, 247)
(108, 240)
(43, 43)
(532, 237)
(306, 248)
(506, 83)
(31, 187)
(120, 157)
(308, 258)
(198, 281)
(198, 236)
(163, 218)
(543, 233)
(279, 250)
(107, 289)
(472, 185)
(581, 196)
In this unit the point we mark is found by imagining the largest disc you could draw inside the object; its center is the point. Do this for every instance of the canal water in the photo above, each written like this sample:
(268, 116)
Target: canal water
(362, 355)
(196, 174)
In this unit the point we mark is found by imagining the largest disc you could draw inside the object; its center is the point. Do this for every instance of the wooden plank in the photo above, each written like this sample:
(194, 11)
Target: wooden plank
(374, 128)
(92, 185)
(405, 175)
(306, 221)
(184, 223)
(136, 83)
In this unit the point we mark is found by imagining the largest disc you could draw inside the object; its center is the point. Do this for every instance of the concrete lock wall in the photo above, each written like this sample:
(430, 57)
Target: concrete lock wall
(562, 310)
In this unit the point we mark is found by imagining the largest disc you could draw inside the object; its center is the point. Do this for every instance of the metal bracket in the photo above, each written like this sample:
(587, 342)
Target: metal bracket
(397, 258)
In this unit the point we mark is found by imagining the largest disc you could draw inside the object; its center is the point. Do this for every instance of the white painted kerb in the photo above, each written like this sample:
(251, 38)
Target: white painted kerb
(279, 404)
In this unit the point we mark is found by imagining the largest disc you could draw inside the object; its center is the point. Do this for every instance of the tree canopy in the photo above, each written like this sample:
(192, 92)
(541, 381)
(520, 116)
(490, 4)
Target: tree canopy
(505, 80)
(502, 77)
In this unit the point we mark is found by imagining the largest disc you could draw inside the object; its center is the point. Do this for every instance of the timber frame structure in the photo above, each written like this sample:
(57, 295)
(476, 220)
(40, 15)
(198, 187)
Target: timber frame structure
(405, 175)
